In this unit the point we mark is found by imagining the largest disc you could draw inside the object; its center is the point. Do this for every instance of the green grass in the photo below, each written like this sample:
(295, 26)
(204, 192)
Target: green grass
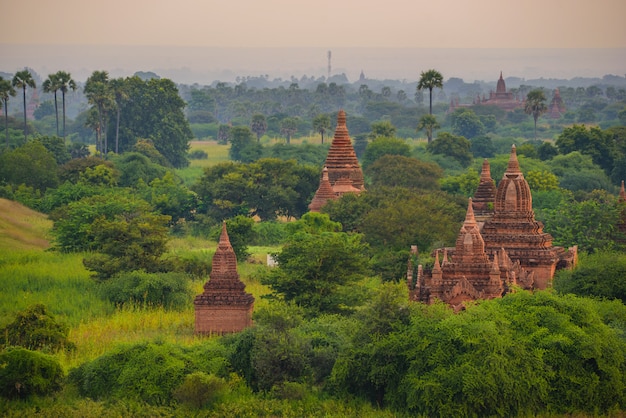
(22, 228)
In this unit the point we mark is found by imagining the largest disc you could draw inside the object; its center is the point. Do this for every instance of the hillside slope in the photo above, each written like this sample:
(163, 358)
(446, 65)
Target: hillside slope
(22, 228)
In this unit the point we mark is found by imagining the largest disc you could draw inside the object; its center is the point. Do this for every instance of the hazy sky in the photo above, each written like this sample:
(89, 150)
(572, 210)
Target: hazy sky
(318, 23)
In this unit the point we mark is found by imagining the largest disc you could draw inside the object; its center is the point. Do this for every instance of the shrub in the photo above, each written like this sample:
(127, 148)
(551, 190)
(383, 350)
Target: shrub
(24, 373)
(200, 389)
(170, 290)
(35, 329)
(198, 154)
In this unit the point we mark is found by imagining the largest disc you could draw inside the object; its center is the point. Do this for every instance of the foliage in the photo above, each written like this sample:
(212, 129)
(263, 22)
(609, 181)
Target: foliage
(239, 233)
(535, 105)
(456, 147)
(243, 147)
(31, 164)
(147, 148)
(428, 123)
(35, 329)
(313, 223)
(170, 290)
(588, 141)
(305, 154)
(384, 146)
(397, 170)
(429, 80)
(319, 271)
(198, 154)
(72, 170)
(200, 389)
(25, 373)
(168, 196)
(482, 146)
(56, 146)
(266, 188)
(466, 123)
(383, 129)
(541, 180)
(134, 166)
(600, 274)
(148, 371)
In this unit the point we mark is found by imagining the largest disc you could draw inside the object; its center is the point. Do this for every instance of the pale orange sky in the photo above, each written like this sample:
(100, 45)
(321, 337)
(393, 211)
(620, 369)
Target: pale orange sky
(318, 23)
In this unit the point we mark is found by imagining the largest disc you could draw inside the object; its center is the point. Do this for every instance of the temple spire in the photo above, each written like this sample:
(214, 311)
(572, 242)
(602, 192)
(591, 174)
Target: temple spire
(622, 193)
(513, 166)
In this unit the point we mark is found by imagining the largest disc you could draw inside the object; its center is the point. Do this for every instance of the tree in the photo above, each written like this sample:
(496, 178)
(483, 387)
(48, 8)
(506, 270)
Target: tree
(223, 134)
(429, 80)
(51, 85)
(119, 95)
(65, 83)
(591, 141)
(457, 147)
(36, 329)
(535, 105)
(428, 123)
(397, 170)
(31, 164)
(466, 123)
(319, 271)
(321, 124)
(259, 125)
(382, 129)
(288, 127)
(384, 146)
(23, 79)
(242, 145)
(98, 93)
(6, 91)
(25, 373)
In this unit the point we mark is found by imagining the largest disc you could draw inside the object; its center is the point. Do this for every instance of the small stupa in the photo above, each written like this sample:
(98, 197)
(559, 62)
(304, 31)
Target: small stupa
(224, 306)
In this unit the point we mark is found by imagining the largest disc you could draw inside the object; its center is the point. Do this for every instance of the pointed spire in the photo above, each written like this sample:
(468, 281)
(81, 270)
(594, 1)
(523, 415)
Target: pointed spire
(485, 173)
(495, 267)
(224, 239)
(323, 194)
(436, 266)
(470, 220)
(513, 166)
(622, 193)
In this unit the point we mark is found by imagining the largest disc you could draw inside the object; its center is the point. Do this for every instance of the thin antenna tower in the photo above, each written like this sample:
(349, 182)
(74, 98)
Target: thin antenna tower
(329, 55)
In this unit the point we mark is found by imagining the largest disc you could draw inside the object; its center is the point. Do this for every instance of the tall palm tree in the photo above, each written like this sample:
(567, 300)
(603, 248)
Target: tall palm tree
(51, 85)
(428, 123)
(535, 105)
(23, 79)
(120, 95)
(6, 91)
(258, 125)
(429, 80)
(65, 82)
(100, 96)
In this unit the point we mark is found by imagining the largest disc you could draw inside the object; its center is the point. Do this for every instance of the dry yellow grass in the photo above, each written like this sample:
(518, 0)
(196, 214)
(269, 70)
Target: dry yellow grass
(22, 228)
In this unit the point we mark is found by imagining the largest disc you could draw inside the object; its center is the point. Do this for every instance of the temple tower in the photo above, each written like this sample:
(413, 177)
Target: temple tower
(485, 196)
(514, 228)
(224, 306)
(323, 194)
(341, 160)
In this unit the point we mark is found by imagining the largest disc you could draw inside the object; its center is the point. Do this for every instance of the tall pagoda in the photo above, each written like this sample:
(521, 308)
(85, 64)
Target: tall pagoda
(224, 306)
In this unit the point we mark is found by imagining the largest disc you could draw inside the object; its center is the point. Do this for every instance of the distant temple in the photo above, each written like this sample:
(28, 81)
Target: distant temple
(506, 248)
(224, 306)
(501, 98)
(342, 172)
(557, 106)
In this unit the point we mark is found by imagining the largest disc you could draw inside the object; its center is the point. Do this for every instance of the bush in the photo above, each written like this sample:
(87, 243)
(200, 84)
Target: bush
(170, 290)
(35, 329)
(200, 389)
(198, 154)
(24, 373)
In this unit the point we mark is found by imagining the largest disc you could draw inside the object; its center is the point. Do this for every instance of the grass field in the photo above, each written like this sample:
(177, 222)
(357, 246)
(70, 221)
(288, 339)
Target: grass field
(29, 274)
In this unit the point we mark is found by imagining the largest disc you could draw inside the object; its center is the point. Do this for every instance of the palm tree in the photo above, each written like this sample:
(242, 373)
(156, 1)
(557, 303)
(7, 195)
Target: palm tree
(321, 124)
(428, 123)
(120, 95)
(535, 105)
(51, 85)
(65, 82)
(258, 125)
(6, 91)
(23, 79)
(100, 96)
(429, 80)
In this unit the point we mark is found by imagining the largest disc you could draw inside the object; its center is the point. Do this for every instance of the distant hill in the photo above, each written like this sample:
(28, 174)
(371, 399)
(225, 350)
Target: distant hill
(22, 228)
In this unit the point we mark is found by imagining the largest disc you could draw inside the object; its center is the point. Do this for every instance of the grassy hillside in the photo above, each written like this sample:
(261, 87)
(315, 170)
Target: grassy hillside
(22, 228)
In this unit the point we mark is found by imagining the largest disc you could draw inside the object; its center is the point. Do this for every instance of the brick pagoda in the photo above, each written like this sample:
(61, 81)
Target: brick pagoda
(342, 171)
(224, 306)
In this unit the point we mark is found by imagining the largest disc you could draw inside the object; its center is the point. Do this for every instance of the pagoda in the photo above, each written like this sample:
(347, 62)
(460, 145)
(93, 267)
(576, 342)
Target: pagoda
(342, 170)
(557, 106)
(485, 196)
(501, 97)
(224, 306)
(514, 228)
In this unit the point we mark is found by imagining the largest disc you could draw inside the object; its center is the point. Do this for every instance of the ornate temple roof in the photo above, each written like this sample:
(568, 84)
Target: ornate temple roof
(323, 194)
(501, 86)
(485, 195)
(341, 160)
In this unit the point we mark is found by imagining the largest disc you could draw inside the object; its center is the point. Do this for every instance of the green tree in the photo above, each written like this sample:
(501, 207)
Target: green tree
(319, 271)
(223, 134)
(25, 373)
(535, 105)
(66, 83)
(22, 80)
(382, 129)
(467, 124)
(119, 96)
(51, 85)
(99, 95)
(398, 170)
(591, 141)
(384, 146)
(428, 123)
(31, 164)
(453, 146)
(36, 329)
(259, 125)
(6, 91)
(429, 80)
(242, 145)
(321, 124)
(288, 127)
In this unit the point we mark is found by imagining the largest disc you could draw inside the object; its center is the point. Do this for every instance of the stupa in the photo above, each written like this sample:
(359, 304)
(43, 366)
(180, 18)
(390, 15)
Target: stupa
(557, 106)
(224, 306)
(342, 170)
